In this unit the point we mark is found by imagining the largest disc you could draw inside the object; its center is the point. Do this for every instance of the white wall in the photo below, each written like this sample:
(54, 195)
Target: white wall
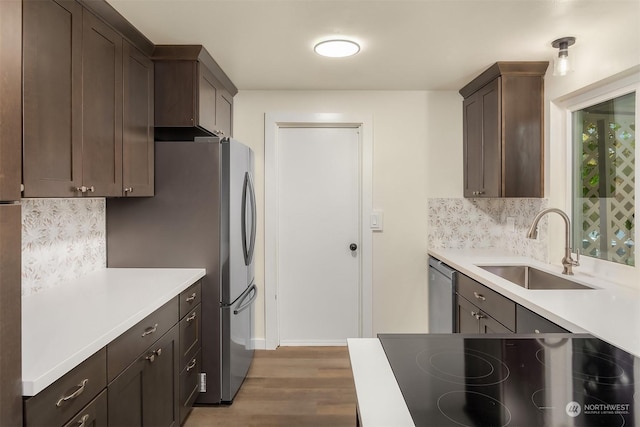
(408, 128)
(595, 64)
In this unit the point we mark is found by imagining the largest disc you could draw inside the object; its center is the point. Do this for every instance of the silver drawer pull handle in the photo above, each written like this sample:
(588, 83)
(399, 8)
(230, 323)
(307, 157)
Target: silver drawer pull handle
(83, 421)
(75, 394)
(191, 298)
(479, 296)
(190, 318)
(150, 330)
(152, 357)
(537, 331)
(128, 190)
(191, 365)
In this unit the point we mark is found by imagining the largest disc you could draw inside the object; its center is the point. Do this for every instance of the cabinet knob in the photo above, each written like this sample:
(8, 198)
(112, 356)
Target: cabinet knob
(85, 189)
(152, 357)
(128, 190)
(477, 315)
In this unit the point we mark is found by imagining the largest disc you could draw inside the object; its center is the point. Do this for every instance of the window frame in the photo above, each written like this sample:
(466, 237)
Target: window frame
(588, 96)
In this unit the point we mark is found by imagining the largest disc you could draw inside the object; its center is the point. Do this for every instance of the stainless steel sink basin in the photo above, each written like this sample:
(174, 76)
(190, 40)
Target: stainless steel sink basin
(532, 278)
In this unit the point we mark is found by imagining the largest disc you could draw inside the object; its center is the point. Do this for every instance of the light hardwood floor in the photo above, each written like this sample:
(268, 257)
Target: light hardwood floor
(290, 386)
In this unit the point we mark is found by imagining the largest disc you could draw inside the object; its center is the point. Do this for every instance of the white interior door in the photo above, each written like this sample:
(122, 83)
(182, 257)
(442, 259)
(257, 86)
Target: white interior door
(318, 221)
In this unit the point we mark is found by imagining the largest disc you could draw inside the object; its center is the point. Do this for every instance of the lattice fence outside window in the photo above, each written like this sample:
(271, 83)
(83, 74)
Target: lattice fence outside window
(607, 180)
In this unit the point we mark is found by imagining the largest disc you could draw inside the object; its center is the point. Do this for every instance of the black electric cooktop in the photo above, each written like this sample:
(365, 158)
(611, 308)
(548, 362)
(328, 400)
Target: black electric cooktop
(514, 380)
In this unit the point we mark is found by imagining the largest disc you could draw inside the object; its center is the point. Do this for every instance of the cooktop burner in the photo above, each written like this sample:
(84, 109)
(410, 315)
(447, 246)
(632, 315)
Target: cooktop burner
(514, 380)
(448, 365)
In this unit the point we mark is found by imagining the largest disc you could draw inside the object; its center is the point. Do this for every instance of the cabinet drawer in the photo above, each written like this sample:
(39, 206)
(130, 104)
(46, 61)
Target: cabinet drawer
(529, 322)
(189, 385)
(123, 350)
(56, 404)
(495, 305)
(190, 334)
(189, 298)
(92, 415)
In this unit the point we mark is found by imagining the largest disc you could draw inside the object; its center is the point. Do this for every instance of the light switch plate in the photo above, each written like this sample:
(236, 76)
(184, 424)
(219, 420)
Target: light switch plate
(375, 220)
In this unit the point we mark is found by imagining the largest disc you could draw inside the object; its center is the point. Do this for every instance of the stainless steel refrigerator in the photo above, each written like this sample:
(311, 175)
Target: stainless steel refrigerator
(203, 214)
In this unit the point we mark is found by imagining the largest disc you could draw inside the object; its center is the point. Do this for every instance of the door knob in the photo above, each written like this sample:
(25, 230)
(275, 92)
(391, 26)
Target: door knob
(353, 246)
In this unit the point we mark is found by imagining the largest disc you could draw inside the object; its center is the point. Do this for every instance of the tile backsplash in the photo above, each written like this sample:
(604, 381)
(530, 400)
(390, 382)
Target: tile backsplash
(62, 239)
(487, 224)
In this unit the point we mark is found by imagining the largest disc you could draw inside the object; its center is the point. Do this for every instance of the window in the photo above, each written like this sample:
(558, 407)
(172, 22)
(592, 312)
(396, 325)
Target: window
(603, 141)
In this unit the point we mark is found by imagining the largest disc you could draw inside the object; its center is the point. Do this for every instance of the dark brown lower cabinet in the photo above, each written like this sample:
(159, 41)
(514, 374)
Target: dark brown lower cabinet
(92, 415)
(529, 322)
(146, 393)
(472, 320)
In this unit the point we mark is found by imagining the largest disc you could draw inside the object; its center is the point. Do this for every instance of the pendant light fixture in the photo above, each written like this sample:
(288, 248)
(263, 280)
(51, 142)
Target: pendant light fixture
(562, 64)
(337, 48)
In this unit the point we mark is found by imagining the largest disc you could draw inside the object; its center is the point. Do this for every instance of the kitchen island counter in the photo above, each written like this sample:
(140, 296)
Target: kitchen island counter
(64, 325)
(609, 311)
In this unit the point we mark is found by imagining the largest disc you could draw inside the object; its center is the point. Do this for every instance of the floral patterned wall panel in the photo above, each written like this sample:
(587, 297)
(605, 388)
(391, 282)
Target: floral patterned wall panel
(484, 224)
(62, 239)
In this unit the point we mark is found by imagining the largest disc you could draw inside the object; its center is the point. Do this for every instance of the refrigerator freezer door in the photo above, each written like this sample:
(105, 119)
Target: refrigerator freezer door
(237, 355)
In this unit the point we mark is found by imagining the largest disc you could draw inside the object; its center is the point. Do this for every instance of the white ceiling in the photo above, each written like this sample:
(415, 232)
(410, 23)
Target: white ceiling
(406, 44)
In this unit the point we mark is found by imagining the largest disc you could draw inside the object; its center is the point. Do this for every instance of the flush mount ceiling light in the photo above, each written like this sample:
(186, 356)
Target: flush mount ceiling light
(337, 48)
(562, 65)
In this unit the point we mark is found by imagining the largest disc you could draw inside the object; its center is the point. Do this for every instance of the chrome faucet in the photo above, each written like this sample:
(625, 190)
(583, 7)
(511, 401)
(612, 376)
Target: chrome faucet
(567, 262)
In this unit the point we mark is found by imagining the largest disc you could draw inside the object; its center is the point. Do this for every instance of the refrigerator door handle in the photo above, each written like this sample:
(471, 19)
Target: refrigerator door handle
(241, 307)
(248, 187)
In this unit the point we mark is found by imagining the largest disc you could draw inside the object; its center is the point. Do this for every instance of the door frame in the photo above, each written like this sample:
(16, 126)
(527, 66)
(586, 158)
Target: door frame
(272, 124)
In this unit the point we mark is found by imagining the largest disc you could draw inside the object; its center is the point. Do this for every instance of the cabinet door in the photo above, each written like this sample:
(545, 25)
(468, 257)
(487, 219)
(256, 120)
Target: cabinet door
(52, 97)
(102, 108)
(482, 139)
(10, 101)
(137, 132)
(466, 321)
(224, 112)
(207, 98)
(488, 325)
(175, 87)
(146, 393)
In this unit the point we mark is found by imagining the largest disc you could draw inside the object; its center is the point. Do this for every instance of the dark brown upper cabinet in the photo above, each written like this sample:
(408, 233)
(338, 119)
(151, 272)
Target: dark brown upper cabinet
(137, 158)
(52, 98)
(87, 103)
(503, 131)
(193, 96)
(10, 101)
(101, 108)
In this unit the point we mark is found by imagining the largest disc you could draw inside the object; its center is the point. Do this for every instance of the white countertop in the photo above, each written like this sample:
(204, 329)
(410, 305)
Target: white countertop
(610, 312)
(380, 401)
(63, 326)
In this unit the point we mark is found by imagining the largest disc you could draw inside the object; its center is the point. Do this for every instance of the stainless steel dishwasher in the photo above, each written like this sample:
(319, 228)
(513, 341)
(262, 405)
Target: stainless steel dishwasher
(442, 290)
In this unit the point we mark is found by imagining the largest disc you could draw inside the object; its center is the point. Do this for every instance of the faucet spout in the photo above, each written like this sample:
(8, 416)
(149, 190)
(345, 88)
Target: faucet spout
(567, 261)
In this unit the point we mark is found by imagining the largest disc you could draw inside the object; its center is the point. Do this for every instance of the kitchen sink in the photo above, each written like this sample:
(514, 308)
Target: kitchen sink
(532, 278)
